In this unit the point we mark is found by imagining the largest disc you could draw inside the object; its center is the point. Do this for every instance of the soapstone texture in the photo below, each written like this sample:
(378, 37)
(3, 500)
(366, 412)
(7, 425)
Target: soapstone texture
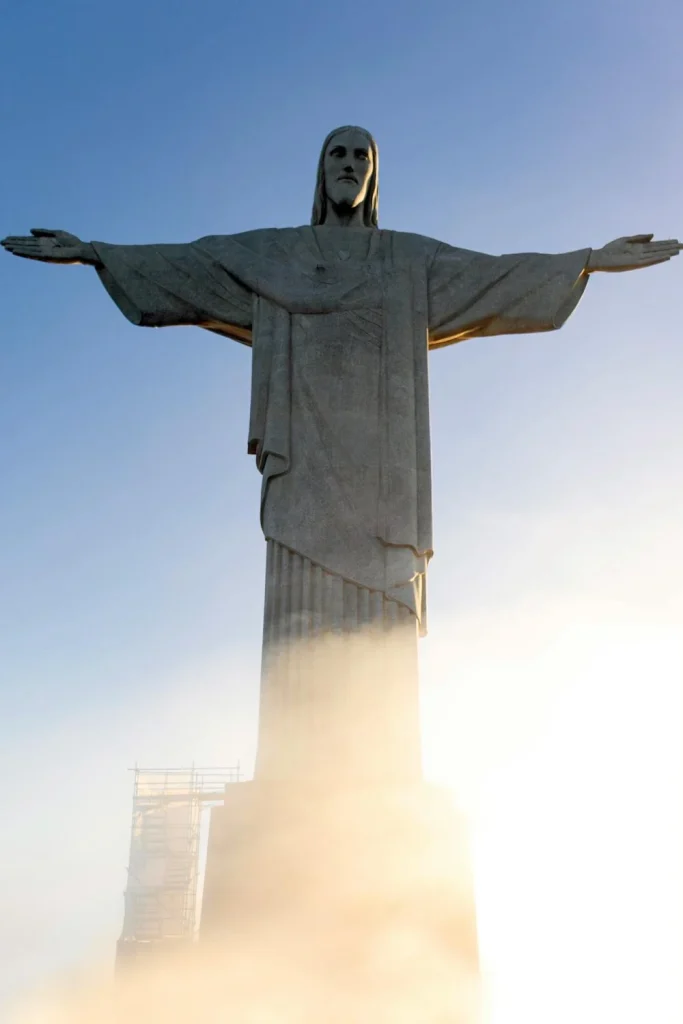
(340, 322)
(339, 418)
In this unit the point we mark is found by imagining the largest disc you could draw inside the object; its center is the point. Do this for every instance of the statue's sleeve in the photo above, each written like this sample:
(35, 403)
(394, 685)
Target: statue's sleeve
(473, 295)
(175, 285)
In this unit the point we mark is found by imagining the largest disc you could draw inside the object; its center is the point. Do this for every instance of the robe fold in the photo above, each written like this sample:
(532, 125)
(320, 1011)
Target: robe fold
(340, 323)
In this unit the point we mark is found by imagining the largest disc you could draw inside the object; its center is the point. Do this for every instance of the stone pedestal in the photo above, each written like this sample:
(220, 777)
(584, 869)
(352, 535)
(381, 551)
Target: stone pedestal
(348, 904)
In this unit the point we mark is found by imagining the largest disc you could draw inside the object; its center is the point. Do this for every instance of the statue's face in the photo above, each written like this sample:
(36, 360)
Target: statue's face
(348, 165)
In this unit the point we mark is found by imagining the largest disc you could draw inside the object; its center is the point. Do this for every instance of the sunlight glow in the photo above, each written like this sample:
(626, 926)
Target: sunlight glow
(574, 785)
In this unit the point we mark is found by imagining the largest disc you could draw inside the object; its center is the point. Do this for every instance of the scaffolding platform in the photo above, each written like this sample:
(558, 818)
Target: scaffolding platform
(167, 839)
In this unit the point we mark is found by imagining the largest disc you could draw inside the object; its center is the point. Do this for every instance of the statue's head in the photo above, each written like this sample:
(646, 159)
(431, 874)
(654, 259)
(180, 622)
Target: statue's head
(348, 174)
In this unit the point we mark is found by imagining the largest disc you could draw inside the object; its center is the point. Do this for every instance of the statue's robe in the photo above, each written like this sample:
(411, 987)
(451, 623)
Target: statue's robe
(340, 322)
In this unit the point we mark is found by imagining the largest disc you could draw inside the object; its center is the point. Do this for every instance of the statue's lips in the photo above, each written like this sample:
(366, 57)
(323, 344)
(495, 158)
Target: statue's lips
(348, 178)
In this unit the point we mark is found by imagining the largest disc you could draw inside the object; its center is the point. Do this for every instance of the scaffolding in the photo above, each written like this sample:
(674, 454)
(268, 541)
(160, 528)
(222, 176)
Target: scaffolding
(160, 901)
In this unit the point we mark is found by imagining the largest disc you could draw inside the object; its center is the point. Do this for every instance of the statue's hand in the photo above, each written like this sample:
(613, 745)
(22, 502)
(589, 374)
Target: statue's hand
(50, 247)
(631, 253)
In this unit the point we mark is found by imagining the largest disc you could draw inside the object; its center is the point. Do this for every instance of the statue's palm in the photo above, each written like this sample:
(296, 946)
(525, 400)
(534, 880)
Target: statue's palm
(632, 252)
(46, 246)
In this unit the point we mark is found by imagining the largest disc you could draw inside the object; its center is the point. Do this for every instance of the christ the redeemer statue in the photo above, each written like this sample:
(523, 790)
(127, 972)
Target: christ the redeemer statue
(340, 316)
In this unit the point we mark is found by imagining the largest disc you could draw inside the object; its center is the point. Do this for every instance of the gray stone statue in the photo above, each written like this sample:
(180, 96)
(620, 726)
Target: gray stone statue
(341, 316)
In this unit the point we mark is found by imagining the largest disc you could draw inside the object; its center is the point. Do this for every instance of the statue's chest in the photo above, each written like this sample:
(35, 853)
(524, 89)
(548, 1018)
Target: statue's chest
(336, 356)
(335, 384)
(345, 268)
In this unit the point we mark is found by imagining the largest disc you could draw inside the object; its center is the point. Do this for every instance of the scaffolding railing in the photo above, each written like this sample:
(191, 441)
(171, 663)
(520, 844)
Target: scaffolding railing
(160, 901)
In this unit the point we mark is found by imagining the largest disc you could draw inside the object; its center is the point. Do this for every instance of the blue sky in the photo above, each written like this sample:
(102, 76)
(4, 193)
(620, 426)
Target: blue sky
(130, 555)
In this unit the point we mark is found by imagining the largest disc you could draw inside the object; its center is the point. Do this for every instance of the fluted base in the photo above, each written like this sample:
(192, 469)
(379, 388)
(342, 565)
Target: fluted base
(353, 905)
(339, 679)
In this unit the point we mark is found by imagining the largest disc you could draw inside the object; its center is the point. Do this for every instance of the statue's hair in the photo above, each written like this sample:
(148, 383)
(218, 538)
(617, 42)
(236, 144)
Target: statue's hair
(371, 201)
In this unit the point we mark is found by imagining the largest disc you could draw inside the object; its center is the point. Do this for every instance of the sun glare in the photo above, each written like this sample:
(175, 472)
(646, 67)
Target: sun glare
(567, 757)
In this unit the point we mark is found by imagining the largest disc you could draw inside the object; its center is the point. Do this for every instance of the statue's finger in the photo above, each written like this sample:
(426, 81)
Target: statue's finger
(25, 245)
(28, 255)
(651, 262)
(653, 248)
(18, 239)
(655, 254)
(639, 238)
(664, 250)
(43, 232)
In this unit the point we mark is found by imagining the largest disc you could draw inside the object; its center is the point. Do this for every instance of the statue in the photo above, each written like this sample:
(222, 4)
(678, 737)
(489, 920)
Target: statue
(340, 316)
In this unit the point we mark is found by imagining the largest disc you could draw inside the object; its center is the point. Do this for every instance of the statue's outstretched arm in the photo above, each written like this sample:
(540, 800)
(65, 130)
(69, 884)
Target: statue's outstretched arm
(51, 247)
(163, 285)
(475, 295)
(631, 253)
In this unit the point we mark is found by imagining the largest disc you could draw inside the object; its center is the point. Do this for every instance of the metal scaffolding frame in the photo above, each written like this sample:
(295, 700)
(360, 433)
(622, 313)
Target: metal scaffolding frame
(160, 901)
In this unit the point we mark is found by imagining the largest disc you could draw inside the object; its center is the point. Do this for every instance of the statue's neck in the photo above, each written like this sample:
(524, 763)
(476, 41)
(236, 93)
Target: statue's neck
(344, 216)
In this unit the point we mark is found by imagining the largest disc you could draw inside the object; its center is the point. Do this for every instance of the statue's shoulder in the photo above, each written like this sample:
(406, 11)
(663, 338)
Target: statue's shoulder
(261, 237)
(413, 244)
(258, 241)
